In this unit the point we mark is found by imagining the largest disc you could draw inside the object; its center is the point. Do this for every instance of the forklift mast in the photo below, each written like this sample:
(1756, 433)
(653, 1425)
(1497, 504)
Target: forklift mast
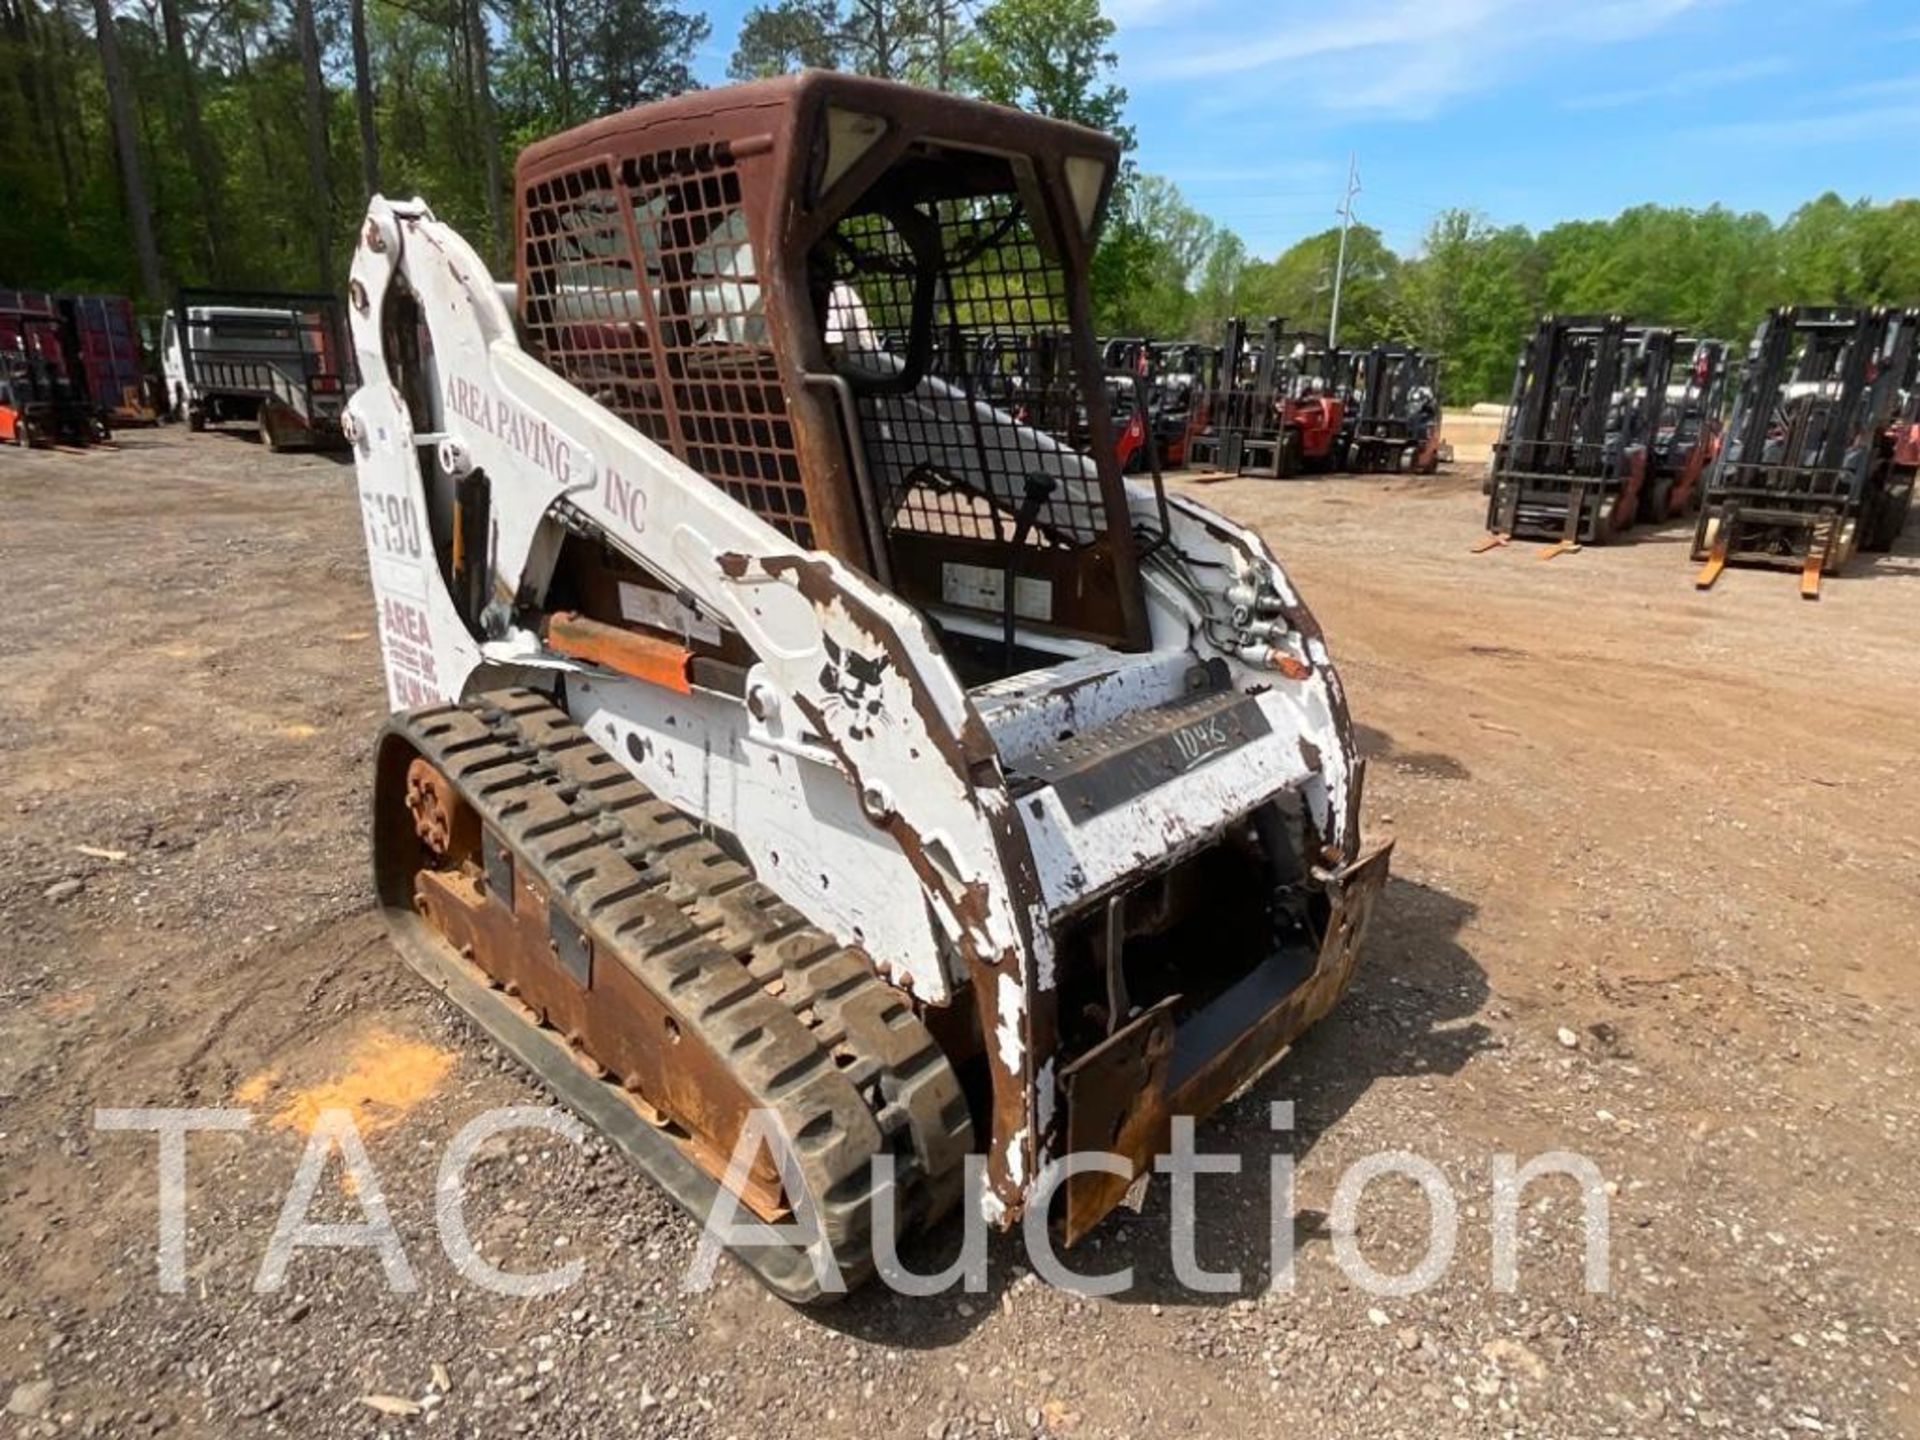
(1572, 460)
(1814, 466)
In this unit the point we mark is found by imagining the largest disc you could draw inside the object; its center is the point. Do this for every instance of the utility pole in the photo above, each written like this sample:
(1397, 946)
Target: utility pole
(1340, 265)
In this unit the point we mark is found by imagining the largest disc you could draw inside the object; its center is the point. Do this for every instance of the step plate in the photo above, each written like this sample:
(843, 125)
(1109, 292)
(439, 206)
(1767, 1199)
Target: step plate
(1103, 769)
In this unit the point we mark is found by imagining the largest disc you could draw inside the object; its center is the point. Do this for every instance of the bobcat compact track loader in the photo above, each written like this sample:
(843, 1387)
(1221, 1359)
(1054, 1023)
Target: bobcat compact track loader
(783, 727)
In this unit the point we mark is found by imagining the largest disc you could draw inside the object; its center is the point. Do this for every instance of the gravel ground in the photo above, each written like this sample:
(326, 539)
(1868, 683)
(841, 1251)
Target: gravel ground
(1654, 903)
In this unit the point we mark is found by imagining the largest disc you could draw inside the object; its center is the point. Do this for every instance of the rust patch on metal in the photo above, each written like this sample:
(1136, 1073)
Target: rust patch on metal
(642, 657)
(680, 1085)
(1116, 1097)
(1123, 1093)
(444, 824)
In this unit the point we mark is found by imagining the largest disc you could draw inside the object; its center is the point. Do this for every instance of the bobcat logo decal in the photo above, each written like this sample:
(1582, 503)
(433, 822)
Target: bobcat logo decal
(853, 685)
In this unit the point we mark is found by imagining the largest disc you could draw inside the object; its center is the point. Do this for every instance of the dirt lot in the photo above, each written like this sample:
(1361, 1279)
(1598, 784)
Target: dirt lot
(1679, 828)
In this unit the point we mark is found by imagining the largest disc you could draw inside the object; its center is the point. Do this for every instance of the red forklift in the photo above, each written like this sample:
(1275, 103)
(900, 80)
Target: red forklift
(1279, 408)
(1572, 461)
(98, 347)
(1132, 400)
(1314, 402)
(1822, 446)
(1234, 428)
(43, 395)
(1689, 434)
(1188, 371)
(1177, 377)
(1393, 421)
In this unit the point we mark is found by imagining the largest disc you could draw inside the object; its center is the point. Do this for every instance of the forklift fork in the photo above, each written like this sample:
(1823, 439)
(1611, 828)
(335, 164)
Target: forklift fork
(1816, 562)
(1502, 533)
(1717, 553)
(1569, 540)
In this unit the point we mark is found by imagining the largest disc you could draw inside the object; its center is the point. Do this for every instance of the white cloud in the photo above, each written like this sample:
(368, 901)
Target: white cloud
(1894, 85)
(1612, 21)
(1679, 87)
(1274, 40)
(1871, 122)
(1401, 58)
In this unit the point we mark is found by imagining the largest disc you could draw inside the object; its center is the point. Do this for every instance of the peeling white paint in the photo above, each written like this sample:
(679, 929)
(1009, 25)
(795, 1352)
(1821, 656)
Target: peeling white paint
(675, 522)
(889, 722)
(1010, 1000)
(1015, 1152)
(1038, 919)
(993, 1209)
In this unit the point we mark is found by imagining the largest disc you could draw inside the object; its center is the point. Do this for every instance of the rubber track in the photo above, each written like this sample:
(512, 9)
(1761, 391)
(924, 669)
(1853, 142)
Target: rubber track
(808, 1026)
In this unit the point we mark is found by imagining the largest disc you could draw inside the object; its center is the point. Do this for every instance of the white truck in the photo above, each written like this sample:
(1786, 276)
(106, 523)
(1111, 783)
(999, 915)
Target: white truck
(278, 362)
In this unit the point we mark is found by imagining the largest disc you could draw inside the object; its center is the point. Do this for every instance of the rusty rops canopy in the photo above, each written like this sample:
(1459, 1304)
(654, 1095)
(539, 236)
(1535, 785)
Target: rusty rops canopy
(688, 263)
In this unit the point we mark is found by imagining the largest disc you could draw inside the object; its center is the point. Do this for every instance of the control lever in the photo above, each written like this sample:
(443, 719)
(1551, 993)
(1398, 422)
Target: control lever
(1039, 490)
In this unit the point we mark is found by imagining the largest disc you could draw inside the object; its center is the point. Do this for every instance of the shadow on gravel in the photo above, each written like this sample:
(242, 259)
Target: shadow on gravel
(341, 455)
(1902, 562)
(1403, 1017)
(1378, 748)
(1666, 532)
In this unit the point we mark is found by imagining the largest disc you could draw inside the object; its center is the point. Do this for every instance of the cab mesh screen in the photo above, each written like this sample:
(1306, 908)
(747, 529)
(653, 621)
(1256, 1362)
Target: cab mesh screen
(953, 324)
(643, 290)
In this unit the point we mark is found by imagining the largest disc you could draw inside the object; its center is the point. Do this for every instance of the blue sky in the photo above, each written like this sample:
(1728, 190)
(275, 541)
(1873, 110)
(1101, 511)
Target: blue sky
(1532, 111)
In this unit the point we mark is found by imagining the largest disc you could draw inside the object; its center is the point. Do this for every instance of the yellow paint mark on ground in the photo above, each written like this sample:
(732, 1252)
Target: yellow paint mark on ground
(384, 1078)
(259, 1087)
(299, 732)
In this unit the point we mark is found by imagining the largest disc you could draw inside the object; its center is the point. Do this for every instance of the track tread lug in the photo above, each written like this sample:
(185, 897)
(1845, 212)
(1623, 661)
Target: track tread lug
(809, 1027)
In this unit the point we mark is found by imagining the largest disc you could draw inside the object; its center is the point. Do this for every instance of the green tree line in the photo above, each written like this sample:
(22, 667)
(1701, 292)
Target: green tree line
(235, 142)
(1474, 290)
(150, 143)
